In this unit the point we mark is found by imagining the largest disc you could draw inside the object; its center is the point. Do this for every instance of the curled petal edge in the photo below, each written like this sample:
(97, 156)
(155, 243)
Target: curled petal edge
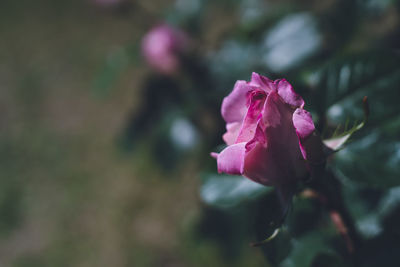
(303, 123)
(233, 108)
(231, 159)
(286, 92)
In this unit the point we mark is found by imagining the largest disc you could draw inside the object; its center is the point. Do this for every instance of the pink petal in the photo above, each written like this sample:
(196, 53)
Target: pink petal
(303, 123)
(310, 142)
(261, 81)
(279, 161)
(260, 166)
(271, 116)
(232, 132)
(259, 137)
(285, 90)
(231, 159)
(250, 121)
(234, 105)
(214, 155)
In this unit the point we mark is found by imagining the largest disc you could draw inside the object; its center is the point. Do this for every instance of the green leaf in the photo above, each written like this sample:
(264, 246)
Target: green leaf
(225, 191)
(372, 156)
(306, 249)
(373, 159)
(348, 78)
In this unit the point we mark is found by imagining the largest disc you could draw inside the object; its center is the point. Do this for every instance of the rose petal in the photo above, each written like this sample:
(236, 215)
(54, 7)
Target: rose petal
(280, 160)
(232, 132)
(285, 90)
(259, 137)
(249, 125)
(231, 159)
(260, 166)
(310, 142)
(261, 81)
(214, 155)
(233, 107)
(303, 123)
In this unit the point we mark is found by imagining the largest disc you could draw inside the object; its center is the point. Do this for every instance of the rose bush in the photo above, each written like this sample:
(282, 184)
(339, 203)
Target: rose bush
(162, 46)
(271, 138)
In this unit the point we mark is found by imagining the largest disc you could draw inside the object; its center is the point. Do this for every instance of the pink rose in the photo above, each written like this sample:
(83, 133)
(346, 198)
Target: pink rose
(270, 137)
(162, 46)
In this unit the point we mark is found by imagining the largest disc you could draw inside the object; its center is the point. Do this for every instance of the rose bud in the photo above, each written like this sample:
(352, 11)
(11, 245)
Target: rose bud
(162, 47)
(271, 138)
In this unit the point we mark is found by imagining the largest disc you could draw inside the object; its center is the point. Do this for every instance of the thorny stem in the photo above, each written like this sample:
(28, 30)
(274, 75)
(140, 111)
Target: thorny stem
(329, 193)
(342, 229)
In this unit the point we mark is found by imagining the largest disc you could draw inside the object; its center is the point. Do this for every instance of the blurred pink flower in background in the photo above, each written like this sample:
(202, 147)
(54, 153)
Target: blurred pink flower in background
(162, 47)
(270, 137)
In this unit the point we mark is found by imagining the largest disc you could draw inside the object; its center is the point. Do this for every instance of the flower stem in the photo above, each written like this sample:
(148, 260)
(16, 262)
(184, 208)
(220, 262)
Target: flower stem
(329, 192)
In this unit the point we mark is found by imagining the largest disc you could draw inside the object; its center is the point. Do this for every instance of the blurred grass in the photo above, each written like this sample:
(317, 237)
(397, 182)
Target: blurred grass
(68, 197)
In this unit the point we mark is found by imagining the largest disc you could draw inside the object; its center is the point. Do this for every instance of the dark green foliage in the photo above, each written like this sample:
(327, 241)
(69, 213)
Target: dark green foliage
(377, 144)
(333, 83)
